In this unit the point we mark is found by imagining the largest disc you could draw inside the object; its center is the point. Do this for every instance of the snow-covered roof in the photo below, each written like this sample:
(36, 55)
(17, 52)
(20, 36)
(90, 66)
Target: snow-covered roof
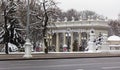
(114, 38)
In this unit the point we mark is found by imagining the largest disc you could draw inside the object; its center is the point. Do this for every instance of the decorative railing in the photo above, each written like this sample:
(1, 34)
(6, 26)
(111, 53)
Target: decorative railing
(81, 23)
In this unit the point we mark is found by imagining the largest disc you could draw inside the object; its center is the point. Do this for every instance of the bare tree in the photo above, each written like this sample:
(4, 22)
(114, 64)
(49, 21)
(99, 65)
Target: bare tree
(46, 4)
(72, 13)
(11, 32)
(87, 14)
(40, 13)
(115, 27)
(119, 17)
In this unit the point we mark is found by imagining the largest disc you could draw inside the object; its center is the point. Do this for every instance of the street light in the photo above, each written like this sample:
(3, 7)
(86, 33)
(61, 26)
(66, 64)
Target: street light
(49, 38)
(68, 35)
(28, 45)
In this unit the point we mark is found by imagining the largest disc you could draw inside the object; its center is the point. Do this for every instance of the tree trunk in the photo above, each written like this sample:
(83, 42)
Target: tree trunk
(6, 48)
(6, 36)
(45, 27)
(46, 46)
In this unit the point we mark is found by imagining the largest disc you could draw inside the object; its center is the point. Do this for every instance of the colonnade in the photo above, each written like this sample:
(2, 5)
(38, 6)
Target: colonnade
(57, 45)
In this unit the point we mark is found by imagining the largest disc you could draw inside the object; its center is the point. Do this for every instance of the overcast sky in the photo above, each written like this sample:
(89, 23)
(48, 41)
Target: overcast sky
(108, 8)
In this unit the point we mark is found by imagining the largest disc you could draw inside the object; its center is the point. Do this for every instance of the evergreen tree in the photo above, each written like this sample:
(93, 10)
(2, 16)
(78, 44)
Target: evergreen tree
(75, 45)
(99, 41)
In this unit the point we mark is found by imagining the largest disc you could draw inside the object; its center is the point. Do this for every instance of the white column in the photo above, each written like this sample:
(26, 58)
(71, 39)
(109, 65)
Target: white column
(43, 47)
(28, 49)
(64, 40)
(28, 45)
(71, 46)
(79, 40)
(57, 42)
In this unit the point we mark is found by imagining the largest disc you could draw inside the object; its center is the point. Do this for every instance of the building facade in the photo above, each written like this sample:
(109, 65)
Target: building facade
(70, 36)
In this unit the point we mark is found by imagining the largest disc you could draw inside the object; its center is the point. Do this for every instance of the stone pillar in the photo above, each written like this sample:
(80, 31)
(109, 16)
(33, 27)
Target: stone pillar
(64, 38)
(71, 46)
(57, 42)
(91, 44)
(28, 49)
(79, 40)
(43, 47)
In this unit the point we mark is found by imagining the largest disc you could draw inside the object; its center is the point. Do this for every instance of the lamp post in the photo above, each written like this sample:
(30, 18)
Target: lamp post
(48, 41)
(68, 39)
(28, 45)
